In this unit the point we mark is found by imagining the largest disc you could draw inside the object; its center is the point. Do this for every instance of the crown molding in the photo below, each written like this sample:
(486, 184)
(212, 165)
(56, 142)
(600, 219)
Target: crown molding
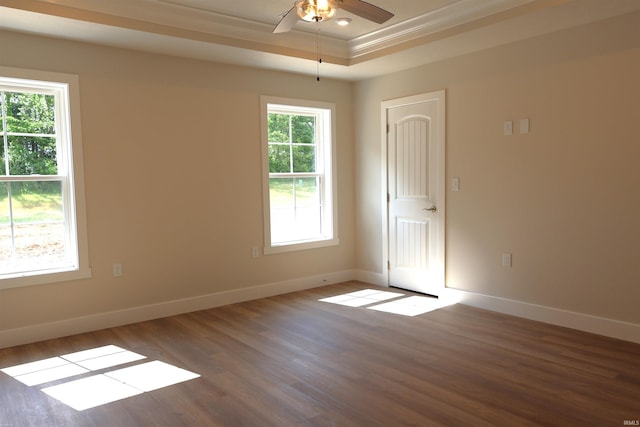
(163, 27)
(203, 24)
(455, 14)
(166, 18)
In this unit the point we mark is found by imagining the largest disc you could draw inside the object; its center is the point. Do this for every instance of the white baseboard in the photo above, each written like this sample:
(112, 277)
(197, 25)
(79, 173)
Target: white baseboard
(370, 277)
(569, 319)
(40, 332)
(94, 322)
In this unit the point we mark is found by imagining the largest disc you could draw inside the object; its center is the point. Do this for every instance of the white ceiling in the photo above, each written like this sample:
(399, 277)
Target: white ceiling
(240, 31)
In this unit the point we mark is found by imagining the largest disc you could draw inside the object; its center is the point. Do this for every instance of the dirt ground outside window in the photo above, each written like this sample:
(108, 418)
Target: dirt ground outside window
(34, 246)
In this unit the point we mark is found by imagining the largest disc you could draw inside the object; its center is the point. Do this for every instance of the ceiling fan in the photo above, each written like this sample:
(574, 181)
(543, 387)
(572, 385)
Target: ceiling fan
(321, 10)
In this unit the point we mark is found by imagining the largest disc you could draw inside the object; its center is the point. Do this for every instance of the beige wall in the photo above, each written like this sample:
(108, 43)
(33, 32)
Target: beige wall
(173, 179)
(172, 167)
(564, 199)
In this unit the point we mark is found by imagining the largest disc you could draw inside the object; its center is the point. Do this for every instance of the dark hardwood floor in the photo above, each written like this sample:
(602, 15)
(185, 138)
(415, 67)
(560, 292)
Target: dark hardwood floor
(292, 360)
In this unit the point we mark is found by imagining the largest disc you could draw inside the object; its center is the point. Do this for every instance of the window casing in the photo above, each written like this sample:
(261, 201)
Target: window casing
(298, 174)
(42, 214)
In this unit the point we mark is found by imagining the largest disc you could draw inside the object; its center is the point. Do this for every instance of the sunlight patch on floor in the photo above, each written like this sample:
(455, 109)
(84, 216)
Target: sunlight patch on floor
(90, 392)
(400, 304)
(152, 376)
(362, 298)
(103, 357)
(99, 389)
(410, 306)
(44, 371)
(70, 365)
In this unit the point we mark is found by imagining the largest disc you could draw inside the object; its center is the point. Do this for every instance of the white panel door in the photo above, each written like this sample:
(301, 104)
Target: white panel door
(415, 175)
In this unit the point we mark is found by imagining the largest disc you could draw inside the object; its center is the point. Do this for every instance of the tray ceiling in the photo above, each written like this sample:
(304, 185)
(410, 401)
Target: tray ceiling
(240, 32)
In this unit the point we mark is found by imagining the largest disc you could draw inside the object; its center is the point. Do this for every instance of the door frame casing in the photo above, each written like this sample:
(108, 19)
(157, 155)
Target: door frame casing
(440, 96)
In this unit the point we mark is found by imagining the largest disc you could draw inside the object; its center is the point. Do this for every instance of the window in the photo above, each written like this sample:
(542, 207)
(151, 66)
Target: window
(299, 184)
(42, 225)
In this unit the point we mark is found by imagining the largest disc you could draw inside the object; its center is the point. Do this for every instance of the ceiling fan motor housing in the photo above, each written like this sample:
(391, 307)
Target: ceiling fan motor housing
(316, 10)
(322, 10)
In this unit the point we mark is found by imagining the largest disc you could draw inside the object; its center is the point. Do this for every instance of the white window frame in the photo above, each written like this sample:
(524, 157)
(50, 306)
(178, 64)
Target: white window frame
(326, 143)
(65, 87)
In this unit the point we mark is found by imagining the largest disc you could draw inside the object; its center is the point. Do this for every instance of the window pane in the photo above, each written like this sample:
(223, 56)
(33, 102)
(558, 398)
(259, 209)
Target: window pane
(307, 192)
(282, 225)
(2, 99)
(279, 159)
(303, 129)
(40, 243)
(6, 247)
(278, 127)
(295, 215)
(36, 247)
(38, 201)
(308, 223)
(32, 155)
(304, 158)
(4, 204)
(36, 240)
(30, 113)
(291, 225)
(281, 193)
(282, 208)
(2, 158)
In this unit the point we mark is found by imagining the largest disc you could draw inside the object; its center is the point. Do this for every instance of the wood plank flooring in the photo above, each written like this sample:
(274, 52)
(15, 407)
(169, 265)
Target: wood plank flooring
(292, 360)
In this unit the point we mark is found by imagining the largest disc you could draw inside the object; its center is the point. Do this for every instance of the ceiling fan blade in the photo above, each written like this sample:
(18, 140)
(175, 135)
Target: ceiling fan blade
(366, 10)
(287, 22)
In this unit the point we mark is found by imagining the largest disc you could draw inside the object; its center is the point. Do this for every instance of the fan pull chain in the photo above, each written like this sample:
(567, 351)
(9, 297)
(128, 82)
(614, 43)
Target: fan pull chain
(318, 52)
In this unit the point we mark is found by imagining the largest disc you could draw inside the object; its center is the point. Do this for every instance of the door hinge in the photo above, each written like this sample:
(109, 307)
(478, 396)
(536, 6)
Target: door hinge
(388, 198)
(388, 127)
(388, 265)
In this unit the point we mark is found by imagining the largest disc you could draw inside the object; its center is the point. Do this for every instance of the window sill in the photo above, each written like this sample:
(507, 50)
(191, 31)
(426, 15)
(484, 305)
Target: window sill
(294, 247)
(53, 276)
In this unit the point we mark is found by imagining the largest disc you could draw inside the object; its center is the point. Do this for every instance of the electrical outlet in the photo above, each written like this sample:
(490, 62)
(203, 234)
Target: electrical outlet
(255, 252)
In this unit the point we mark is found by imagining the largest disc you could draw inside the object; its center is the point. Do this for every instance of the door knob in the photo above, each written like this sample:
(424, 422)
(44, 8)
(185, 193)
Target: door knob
(431, 209)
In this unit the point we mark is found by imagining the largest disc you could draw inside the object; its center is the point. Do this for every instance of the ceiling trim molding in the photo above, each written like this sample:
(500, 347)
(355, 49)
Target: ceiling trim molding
(173, 18)
(201, 26)
(461, 12)
(205, 35)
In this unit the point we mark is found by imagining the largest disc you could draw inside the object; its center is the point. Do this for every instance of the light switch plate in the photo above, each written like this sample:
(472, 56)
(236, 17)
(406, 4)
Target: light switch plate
(117, 270)
(508, 127)
(524, 125)
(506, 260)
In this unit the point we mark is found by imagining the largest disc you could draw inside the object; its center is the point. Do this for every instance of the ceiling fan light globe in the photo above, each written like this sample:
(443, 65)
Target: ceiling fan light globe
(316, 10)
